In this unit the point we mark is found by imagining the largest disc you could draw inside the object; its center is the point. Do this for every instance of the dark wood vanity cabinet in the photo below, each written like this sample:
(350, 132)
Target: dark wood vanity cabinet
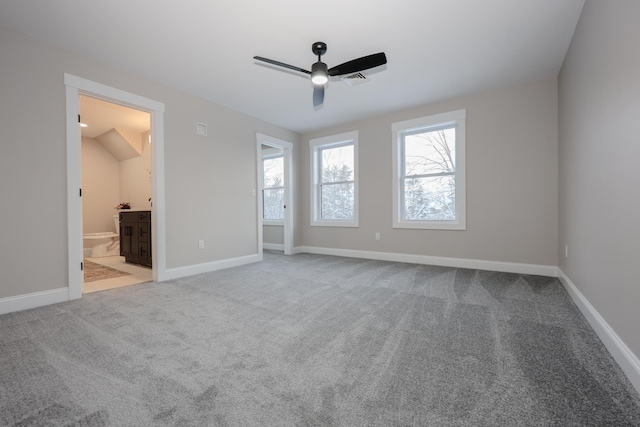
(135, 237)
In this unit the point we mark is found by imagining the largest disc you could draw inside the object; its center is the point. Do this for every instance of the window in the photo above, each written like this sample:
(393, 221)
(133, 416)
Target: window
(429, 172)
(273, 188)
(334, 182)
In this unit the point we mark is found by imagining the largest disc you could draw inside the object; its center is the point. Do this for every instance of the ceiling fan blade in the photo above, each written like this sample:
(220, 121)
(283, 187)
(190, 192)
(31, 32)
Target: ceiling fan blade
(359, 64)
(281, 64)
(318, 95)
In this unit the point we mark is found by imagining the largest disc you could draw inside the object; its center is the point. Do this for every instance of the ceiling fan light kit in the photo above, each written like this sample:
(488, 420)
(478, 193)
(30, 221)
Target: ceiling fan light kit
(320, 74)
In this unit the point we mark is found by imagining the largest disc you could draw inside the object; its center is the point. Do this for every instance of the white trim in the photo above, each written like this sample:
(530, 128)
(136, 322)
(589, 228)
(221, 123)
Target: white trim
(33, 300)
(628, 362)
(111, 94)
(75, 86)
(75, 251)
(287, 223)
(346, 138)
(505, 267)
(206, 267)
(273, 246)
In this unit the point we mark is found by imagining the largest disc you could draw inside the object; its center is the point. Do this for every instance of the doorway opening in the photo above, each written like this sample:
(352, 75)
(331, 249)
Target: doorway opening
(275, 201)
(116, 176)
(76, 88)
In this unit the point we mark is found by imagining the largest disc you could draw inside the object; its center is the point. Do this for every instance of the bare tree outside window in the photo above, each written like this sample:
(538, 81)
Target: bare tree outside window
(273, 188)
(337, 182)
(428, 176)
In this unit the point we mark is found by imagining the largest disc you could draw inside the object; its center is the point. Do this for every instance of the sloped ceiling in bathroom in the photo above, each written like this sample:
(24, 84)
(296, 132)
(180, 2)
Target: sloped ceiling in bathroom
(118, 128)
(120, 147)
(101, 116)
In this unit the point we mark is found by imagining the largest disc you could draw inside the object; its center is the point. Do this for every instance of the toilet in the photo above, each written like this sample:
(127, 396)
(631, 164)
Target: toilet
(103, 244)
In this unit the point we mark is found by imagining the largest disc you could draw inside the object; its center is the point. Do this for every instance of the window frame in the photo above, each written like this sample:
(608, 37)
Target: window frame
(266, 221)
(434, 122)
(316, 146)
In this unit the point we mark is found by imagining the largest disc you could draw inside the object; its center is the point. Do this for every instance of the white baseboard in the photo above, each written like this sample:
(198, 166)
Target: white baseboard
(33, 300)
(625, 358)
(506, 267)
(273, 246)
(190, 270)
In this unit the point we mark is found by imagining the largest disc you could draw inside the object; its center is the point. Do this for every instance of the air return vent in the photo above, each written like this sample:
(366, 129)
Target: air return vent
(354, 79)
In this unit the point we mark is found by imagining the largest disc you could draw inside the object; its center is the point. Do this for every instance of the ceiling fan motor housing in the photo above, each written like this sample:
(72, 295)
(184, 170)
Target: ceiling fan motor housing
(319, 74)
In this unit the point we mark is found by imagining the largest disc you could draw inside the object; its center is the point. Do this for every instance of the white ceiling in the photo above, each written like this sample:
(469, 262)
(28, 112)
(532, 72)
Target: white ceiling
(436, 49)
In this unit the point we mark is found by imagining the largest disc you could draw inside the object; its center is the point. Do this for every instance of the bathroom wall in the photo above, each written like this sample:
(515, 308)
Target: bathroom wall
(106, 182)
(100, 187)
(135, 177)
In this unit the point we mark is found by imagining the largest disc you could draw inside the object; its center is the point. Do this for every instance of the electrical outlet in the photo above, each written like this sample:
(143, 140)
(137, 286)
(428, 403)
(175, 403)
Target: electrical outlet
(200, 244)
(377, 236)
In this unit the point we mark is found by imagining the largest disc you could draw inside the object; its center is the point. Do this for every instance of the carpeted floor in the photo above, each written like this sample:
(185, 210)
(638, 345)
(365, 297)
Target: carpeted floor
(94, 271)
(311, 340)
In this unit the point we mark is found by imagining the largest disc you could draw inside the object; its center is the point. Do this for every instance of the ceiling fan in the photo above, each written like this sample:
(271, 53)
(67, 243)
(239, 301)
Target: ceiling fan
(320, 73)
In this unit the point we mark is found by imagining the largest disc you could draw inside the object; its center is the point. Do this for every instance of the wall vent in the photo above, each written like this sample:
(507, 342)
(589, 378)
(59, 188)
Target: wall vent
(201, 129)
(354, 79)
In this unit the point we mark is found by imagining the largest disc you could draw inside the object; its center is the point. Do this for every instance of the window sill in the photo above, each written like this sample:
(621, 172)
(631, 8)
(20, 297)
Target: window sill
(431, 225)
(325, 223)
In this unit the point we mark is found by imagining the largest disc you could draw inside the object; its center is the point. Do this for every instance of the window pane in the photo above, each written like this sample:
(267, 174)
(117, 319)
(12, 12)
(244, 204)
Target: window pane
(430, 152)
(430, 198)
(337, 164)
(273, 203)
(273, 172)
(337, 201)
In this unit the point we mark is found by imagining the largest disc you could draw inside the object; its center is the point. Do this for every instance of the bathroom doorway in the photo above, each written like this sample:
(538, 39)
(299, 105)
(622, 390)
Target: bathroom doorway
(116, 173)
(76, 88)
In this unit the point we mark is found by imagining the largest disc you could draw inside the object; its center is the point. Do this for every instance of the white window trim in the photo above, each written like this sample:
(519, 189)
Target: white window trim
(327, 142)
(262, 188)
(458, 118)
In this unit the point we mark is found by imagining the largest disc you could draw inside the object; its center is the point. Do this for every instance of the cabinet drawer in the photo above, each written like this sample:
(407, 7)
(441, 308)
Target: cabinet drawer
(144, 216)
(128, 216)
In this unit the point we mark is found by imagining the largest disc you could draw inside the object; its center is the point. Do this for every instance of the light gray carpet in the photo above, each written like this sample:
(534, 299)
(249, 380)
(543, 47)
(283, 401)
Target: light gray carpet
(312, 340)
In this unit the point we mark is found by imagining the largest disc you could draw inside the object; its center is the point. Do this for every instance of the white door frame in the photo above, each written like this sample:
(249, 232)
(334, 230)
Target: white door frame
(76, 86)
(287, 148)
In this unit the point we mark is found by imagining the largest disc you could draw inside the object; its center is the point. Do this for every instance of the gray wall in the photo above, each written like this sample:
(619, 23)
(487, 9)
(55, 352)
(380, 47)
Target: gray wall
(599, 138)
(273, 234)
(512, 182)
(208, 179)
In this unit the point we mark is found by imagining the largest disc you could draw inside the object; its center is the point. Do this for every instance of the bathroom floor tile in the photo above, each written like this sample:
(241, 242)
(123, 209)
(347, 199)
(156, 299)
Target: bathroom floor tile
(138, 274)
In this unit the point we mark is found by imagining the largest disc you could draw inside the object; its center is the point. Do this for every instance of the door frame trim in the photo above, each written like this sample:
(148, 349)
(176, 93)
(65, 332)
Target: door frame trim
(287, 149)
(76, 86)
